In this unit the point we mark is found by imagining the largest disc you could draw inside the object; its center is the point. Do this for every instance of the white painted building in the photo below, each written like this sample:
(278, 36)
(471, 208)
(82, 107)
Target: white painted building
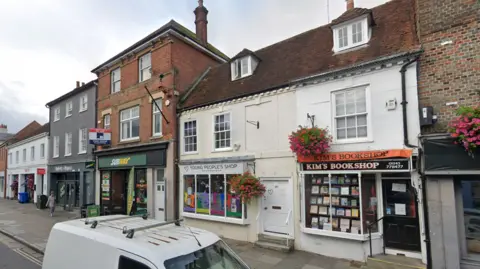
(230, 138)
(27, 161)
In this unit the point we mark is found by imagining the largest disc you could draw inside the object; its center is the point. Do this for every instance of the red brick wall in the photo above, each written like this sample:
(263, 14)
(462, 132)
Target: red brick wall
(168, 55)
(449, 72)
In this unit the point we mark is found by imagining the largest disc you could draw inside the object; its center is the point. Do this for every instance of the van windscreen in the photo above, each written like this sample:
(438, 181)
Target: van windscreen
(216, 256)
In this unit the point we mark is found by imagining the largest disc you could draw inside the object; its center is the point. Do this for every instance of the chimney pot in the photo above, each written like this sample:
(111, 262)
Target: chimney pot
(350, 4)
(201, 22)
(78, 83)
(83, 83)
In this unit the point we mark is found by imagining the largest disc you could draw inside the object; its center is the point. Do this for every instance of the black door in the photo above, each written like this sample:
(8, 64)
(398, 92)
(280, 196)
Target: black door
(400, 224)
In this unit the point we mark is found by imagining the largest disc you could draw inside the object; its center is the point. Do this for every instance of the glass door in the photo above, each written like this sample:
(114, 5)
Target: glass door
(118, 192)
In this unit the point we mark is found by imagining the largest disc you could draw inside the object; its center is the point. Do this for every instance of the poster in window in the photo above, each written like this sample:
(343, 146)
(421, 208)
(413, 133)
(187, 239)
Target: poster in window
(234, 203)
(203, 194)
(218, 195)
(189, 193)
(315, 189)
(314, 209)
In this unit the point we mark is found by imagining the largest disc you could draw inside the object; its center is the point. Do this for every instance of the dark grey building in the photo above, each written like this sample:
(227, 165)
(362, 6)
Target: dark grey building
(71, 166)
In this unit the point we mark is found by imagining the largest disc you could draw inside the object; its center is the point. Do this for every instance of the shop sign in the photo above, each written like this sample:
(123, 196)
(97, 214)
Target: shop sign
(132, 160)
(63, 168)
(357, 156)
(99, 136)
(393, 165)
(227, 168)
(90, 165)
(106, 186)
(41, 171)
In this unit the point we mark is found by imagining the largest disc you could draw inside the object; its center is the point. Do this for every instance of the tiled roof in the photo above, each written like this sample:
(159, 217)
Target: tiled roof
(311, 53)
(351, 14)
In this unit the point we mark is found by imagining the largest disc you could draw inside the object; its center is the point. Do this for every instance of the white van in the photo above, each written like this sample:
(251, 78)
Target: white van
(129, 242)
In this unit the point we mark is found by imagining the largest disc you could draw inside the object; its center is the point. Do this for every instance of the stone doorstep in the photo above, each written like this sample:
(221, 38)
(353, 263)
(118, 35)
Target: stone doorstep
(394, 261)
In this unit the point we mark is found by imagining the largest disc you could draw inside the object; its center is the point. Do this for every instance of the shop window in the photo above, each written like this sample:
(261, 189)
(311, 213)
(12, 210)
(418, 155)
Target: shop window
(140, 191)
(342, 203)
(211, 195)
(471, 215)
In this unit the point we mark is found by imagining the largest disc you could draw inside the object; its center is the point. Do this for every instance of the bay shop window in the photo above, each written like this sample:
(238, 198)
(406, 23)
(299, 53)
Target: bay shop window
(209, 196)
(341, 204)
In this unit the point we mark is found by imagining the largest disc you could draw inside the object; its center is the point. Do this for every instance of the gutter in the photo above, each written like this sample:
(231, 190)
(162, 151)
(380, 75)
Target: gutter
(404, 103)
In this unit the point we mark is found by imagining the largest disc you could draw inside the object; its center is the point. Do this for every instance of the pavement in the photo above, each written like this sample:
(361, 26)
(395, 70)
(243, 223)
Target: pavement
(30, 226)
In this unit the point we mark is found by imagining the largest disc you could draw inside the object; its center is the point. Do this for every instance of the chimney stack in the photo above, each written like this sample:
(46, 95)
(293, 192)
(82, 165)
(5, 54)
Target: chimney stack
(201, 22)
(350, 4)
(78, 84)
(83, 83)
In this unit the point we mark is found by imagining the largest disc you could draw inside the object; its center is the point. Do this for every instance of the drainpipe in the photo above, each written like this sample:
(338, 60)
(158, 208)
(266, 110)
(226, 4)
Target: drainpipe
(404, 103)
(425, 213)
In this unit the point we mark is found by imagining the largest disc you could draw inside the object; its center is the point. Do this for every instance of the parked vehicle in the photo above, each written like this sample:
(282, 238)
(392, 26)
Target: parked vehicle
(127, 242)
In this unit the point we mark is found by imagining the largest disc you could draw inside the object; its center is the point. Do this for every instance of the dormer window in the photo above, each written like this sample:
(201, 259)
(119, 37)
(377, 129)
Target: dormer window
(243, 67)
(350, 34)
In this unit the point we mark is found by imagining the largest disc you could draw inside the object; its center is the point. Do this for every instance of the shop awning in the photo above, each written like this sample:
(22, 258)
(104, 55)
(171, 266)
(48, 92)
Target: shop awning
(443, 157)
(357, 156)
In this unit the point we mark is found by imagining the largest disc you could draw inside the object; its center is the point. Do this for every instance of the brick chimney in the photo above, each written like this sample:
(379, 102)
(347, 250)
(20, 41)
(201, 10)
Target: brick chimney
(350, 4)
(3, 128)
(78, 84)
(201, 22)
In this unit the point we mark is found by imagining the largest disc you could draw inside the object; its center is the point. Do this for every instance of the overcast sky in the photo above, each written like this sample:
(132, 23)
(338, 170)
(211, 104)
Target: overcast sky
(47, 45)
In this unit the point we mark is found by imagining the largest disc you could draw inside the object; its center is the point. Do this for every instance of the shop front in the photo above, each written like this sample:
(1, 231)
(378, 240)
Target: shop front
(73, 184)
(26, 180)
(126, 183)
(208, 201)
(3, 184)
(347, 196)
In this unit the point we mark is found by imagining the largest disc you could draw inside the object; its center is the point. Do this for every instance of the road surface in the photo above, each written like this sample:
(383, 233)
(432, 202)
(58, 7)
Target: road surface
(13, 255)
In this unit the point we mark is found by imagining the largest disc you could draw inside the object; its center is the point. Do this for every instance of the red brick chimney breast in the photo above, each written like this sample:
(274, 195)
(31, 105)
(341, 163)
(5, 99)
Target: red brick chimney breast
(201, 22)
(350, 4)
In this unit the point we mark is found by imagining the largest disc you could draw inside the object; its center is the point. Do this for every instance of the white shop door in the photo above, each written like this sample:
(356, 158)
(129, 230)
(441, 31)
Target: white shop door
(276, 206)
(160, 195)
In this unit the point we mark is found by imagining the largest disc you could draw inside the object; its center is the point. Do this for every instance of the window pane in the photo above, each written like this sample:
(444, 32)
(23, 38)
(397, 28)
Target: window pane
(362, 120)
(369, 202)
(340, 110)
(362, 132)
(217, 202)
(189, 193)
(351, 122)
(341, 134)
(234, 204)
(135, 128)
(350, 108)
(341, 123)
(125, 129)
(135, 112)
(317, 202)
(351, 132)
(203, 193)
(340, 98)
(157, 124)
(471, 209)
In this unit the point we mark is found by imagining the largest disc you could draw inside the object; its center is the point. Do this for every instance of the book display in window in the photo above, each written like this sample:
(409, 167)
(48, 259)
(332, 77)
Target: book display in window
(332, 203)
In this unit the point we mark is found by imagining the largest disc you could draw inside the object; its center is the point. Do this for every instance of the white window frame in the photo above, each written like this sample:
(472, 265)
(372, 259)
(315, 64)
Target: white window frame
(238, 69)
(82, 139)
(215, 149)
(105, 125)
(56, 114)
(17, 156)
(184, 137)
(115, 81)
(129, 120)
(42, 151)
(56, 146)
(10, 158)
(68, 144)
(141, 68)
(369, 137)
(32, 153)
(349, 27)
(24, 155)
(68, 109)
(83, 101)
(156, 112)
(209, 217)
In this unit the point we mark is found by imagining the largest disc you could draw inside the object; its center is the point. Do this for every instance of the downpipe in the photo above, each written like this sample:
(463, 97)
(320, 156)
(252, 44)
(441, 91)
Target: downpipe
(404, 103)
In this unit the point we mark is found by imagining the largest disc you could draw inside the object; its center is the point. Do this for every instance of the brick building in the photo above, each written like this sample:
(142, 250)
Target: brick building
(142, 137)
(20, 135)
(449, 77)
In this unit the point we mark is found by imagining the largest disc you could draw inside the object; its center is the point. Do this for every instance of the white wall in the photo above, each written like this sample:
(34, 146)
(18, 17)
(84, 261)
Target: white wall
(269, 144)
(386, 125)
(29, 166)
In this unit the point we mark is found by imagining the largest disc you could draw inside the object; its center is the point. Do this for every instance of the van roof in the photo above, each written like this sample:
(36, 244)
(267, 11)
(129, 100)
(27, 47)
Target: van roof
(156, 244)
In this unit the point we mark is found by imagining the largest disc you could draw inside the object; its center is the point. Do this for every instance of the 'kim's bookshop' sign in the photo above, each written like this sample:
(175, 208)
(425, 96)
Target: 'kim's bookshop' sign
(358, 165)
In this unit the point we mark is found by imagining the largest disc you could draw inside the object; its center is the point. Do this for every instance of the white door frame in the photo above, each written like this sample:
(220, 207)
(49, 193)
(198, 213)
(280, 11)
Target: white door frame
(291, 215)
(155, 193)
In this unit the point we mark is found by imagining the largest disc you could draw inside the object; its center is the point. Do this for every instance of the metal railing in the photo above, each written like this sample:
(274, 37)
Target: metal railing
(370, 235)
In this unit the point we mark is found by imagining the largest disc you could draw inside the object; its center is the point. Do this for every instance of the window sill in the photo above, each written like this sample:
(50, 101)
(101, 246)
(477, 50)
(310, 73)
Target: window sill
(81, 153)
(216, 218)
(190, 153)
(353, 141)
(348, 236)
(67, 155)
(56, 120)
(80, 111)
(54, 157)
(68, 116)
(156, 136)
(350, 48)
(130, 140)
(222, 150)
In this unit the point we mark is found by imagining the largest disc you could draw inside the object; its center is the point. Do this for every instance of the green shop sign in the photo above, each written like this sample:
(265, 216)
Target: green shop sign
(121, 161)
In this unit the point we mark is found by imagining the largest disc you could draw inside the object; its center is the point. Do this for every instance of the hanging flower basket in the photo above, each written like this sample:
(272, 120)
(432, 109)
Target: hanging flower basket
(466, 129)
(247, 186)
(310, 141)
